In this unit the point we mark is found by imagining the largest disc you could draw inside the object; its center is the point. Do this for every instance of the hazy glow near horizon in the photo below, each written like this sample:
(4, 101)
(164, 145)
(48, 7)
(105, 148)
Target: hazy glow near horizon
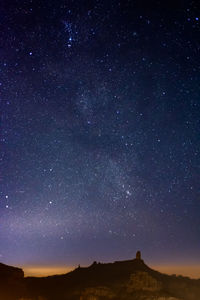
(184, 270)
(41, 271)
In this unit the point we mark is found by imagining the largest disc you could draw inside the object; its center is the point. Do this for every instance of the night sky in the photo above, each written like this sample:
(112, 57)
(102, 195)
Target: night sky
(99, 132)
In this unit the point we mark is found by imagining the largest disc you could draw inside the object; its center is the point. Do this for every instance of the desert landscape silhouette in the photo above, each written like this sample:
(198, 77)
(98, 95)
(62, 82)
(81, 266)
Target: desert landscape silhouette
(129, 279)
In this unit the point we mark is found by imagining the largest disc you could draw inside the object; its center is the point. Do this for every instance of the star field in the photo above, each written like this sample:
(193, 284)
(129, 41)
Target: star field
(99, 131)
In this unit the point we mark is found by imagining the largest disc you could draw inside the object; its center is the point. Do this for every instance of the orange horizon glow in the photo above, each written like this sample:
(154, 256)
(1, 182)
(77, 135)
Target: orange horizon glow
(192, 271)
(42, 271)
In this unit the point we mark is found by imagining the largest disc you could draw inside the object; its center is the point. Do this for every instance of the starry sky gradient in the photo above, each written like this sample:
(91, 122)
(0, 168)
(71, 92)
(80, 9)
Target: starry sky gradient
(99, 131)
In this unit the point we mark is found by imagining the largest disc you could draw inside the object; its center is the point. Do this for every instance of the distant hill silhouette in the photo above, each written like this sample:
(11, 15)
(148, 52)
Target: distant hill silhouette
(11, 282)
(121, 280)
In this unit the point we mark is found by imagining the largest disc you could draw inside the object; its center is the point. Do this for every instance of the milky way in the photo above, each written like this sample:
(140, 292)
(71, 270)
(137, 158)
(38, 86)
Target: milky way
(99, 132)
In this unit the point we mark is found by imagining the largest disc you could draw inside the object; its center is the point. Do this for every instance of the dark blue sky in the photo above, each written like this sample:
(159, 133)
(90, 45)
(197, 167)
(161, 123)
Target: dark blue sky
(99, 132)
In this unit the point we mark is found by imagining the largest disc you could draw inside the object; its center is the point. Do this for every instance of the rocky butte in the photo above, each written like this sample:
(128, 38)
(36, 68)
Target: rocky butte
(121, 280)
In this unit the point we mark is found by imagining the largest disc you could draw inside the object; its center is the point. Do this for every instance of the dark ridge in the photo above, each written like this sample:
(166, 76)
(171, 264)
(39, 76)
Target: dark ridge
(7, 271)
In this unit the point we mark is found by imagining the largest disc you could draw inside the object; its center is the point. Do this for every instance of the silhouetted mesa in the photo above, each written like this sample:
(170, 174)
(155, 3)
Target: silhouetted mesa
(11, 282)
(10, 272)
(121, 280)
